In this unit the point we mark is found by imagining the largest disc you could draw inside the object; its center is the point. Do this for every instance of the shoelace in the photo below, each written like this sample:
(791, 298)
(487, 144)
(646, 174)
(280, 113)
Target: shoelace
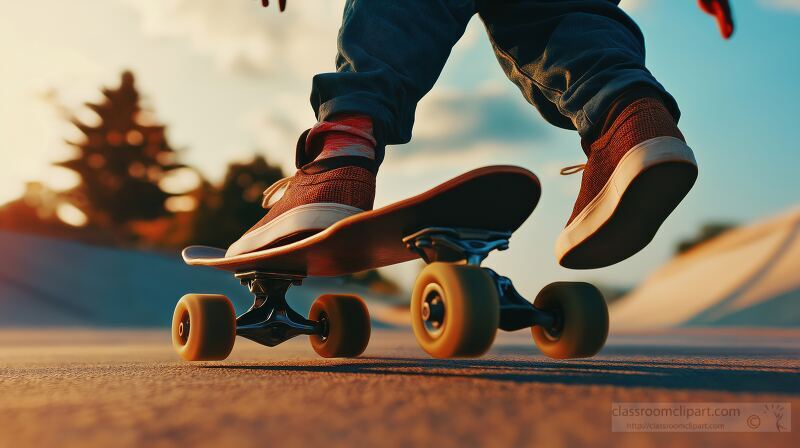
(282, 184)
(572, 169)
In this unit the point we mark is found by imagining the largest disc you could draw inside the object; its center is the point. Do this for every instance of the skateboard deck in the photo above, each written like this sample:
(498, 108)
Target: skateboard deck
(497, 198)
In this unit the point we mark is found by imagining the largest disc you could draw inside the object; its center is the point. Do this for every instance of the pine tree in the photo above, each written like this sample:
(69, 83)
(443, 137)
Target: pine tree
(120, 161)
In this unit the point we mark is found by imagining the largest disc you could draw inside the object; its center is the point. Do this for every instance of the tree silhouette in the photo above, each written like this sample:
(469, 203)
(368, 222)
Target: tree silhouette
(707, 232)
(225, 213)
(120, 161)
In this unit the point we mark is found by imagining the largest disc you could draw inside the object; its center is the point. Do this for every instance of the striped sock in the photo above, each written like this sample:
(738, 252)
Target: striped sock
(342, 135)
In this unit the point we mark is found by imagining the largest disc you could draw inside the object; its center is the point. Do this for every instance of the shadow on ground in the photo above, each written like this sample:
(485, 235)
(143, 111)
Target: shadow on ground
(624, 366)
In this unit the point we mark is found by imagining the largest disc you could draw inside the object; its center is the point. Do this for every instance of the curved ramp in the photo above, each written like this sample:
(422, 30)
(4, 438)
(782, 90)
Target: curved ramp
(748, 276)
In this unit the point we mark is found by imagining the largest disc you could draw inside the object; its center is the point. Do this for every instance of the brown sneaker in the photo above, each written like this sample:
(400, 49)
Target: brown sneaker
(637, 173)
(312, 201)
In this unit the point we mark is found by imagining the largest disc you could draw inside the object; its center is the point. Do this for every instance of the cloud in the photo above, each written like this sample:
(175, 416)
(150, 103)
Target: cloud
(244, 37)
(458, 130)
(453, 127)
(492, 114)
(790, 5)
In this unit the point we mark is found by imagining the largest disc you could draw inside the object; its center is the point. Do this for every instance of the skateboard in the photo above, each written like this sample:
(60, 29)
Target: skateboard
(457, 305)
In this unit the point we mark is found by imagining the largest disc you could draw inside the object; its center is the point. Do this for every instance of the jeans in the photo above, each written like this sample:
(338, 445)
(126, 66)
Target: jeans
(570, 58)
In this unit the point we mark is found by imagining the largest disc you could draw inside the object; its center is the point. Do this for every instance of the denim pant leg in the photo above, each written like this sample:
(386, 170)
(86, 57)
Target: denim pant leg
(390, 54)
(571, 59)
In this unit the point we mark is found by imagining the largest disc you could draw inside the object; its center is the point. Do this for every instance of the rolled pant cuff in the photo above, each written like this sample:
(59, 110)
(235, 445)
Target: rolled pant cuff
(594, 111)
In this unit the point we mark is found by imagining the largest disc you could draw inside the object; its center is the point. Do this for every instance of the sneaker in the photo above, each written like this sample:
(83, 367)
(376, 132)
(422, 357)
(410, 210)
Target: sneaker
(637, 172)
(312, 200)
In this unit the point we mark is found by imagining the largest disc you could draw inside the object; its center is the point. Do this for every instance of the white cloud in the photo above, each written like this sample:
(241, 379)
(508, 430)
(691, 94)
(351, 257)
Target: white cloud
(462, 125)
(790, 5)
(472, 156)
(493, 113)
(242, 35)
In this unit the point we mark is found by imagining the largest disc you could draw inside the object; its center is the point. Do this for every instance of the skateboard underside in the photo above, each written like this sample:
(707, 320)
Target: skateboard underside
(497, 198)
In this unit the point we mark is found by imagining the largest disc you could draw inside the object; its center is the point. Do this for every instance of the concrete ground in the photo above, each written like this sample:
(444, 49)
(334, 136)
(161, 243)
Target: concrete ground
(127, 388)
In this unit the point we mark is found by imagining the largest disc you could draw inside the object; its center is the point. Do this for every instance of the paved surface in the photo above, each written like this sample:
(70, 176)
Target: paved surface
(126, 388)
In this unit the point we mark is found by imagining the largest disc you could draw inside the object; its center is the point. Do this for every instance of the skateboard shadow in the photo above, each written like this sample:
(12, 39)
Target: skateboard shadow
(627, 367)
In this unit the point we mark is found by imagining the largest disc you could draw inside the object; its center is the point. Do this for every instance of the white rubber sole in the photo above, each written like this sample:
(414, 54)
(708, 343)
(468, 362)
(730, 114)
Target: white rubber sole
(301, 219)
(647, 185)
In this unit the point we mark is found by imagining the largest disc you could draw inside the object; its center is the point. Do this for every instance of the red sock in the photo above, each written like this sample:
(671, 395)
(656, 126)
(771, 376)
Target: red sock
(342, 135)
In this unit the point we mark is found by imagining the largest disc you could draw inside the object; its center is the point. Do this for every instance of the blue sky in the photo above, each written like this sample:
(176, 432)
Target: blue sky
(231, 78)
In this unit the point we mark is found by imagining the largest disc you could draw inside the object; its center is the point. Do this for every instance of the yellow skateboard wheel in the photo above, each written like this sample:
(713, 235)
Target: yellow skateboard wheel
(346, 326)
(583, 320)
(203, 327)
(454, 310)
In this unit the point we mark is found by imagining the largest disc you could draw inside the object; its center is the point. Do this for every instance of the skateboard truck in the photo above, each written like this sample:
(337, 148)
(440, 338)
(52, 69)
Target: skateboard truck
(516, 312)
(271, 320)
(472, 246)
(453, 244)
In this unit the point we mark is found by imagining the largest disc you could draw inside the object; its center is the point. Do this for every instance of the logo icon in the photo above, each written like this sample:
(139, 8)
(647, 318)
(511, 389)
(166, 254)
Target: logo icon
(754, 421)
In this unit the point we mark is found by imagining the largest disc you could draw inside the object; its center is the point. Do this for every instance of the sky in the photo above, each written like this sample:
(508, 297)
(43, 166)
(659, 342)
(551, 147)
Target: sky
(232, 79)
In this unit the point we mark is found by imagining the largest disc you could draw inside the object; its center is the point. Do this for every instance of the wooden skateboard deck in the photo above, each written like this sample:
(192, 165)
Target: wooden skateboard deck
(498, 198)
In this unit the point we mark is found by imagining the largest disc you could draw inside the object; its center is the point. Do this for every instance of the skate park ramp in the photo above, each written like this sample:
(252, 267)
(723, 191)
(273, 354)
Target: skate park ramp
(749, 276)
(47, 282)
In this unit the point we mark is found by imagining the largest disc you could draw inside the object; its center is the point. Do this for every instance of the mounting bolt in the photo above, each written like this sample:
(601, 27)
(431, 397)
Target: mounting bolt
(426, 311)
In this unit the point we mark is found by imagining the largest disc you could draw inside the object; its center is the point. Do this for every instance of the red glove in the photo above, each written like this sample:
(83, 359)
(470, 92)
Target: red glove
(722, 11)
(281, 4)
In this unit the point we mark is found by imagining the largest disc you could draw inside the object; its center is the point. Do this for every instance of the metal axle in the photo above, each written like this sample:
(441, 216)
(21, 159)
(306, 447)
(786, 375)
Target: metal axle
(516, 312)
(271, 320)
